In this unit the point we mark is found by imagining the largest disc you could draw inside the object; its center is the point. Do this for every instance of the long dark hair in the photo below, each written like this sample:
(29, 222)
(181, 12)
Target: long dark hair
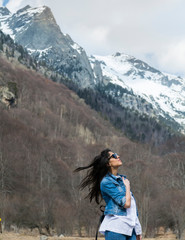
(98, 168)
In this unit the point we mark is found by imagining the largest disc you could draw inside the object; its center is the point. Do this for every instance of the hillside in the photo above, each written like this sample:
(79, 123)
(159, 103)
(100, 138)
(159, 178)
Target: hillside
(43, 139)
(47, 134)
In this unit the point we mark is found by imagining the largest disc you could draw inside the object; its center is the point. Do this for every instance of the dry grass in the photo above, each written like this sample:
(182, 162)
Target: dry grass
(19, 236)
(16, 236)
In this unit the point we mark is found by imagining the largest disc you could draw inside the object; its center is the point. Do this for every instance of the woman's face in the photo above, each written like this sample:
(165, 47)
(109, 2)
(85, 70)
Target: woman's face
(114, 160)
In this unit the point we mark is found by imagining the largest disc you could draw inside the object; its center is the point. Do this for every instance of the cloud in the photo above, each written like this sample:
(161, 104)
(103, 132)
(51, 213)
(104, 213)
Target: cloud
(14, 5)
(172, 58)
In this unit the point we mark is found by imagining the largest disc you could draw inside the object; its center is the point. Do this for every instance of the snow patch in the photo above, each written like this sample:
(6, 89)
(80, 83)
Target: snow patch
(40, 51)
(4, 27)
(77, 48)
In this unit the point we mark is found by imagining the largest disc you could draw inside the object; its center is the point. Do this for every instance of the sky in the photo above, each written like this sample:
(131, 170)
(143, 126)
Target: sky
(151, 30)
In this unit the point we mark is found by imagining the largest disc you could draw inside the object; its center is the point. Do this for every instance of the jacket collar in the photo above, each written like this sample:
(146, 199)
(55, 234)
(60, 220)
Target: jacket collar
(116, 177)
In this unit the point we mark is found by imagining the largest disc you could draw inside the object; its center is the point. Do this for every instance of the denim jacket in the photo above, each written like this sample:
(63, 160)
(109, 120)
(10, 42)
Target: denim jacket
(113, 192)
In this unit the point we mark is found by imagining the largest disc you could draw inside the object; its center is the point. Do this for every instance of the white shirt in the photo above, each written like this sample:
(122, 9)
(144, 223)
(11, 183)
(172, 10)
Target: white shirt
(122, 224)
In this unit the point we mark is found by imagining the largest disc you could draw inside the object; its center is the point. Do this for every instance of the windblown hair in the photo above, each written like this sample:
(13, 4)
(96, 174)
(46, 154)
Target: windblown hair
(98, 168)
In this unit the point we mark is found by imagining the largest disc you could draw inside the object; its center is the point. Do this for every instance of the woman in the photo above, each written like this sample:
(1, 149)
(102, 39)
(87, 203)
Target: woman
(121, 219)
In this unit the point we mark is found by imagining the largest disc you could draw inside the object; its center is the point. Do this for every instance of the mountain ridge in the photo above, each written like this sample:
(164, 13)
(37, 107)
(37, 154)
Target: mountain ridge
(69, 60)
(161, 90)
(44, 40)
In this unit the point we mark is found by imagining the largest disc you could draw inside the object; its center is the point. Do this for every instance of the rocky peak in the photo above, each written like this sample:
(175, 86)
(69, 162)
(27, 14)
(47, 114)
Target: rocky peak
(140, 65)
(23, 9)
(45, 14)
(37, 30)
(4, 11)
(118, 54)
(29, 14)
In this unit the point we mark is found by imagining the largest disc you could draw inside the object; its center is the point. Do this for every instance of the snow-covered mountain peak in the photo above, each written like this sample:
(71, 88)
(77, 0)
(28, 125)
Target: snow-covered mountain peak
(121, 56)
(124, 65)
(30, 11)
(164, 91)
(19, 22)
(127, 65)
(118, 63)
(36, 30)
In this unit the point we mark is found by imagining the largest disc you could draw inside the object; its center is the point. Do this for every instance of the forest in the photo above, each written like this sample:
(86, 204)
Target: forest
(48, 133)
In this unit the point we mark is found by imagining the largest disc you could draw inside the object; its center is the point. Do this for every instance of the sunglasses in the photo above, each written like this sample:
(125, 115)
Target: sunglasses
(114, 155)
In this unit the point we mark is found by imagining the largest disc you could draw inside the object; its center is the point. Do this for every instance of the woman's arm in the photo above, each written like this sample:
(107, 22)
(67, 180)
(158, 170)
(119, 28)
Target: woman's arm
(139, 237)
(127, 196)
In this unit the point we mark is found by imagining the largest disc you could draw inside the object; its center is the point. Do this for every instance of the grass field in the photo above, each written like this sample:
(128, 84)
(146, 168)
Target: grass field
(19, 236)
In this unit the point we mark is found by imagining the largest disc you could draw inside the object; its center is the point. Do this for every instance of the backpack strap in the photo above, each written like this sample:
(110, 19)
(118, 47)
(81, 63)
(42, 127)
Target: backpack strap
(100, 221)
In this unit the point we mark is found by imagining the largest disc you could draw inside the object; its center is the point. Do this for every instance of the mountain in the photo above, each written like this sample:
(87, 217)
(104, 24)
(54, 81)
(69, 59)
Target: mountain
(150, 91)
(143, 102)
(36, 29)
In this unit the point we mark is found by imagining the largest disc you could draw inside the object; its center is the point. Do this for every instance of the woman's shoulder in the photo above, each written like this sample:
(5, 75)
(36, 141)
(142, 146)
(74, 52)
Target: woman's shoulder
(106, 179)
(109, 178)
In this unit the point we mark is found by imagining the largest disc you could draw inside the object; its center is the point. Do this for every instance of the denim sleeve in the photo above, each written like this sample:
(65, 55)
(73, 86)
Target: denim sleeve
(110, 189)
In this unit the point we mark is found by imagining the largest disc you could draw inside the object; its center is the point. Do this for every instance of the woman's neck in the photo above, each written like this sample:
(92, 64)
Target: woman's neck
(114, 171)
